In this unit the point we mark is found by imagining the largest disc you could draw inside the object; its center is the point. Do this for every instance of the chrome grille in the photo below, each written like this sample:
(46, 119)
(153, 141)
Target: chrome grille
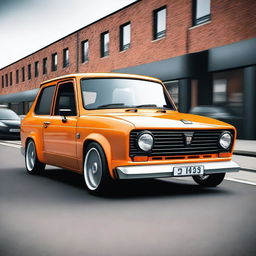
(173, 142)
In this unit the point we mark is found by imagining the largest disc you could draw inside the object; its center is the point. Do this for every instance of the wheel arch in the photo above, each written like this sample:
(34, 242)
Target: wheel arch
(38, 146)
(105, 145)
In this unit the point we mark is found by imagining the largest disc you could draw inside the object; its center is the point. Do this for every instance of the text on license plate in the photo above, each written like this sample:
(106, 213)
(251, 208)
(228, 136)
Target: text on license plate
(14, 130)
(188, 170)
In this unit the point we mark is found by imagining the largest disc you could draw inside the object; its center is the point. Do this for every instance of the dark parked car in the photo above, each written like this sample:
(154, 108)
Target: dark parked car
(222, 113)
(218, 112)
(9, 124)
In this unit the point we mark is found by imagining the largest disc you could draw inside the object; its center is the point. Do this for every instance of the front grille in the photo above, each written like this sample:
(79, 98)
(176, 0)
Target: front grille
(173, 142)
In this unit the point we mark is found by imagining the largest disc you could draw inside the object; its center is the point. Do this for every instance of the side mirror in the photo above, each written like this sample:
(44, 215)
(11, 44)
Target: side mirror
(65, 112)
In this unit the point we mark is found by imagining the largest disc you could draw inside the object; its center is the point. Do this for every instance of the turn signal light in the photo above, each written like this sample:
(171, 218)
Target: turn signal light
(140, 158)
(225, 154)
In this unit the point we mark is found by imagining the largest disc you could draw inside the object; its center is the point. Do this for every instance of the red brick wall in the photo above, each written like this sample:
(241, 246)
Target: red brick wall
(34, 82)
(231, 21)
(143, 49)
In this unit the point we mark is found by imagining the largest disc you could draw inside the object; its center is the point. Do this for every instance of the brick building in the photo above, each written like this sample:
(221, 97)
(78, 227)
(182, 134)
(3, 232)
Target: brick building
(204, 51)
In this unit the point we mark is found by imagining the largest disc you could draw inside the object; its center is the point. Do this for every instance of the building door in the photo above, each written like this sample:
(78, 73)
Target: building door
(60, 133)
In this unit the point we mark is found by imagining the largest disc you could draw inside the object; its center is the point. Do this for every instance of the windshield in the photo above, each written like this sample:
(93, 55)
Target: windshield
(7, 114)
(100, 93)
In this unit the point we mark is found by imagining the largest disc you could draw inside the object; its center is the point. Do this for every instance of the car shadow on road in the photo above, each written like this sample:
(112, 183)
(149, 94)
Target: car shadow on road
(138, 188)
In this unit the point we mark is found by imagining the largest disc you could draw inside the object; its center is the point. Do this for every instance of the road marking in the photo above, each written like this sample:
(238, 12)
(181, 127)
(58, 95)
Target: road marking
(10, 145)
(241, 181)
(12, 142)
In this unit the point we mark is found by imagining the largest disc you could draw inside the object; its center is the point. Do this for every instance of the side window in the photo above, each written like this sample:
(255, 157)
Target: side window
(66, 99)
(43, 106)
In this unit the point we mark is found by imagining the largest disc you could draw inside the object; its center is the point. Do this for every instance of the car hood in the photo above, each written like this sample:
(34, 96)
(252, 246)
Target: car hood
(172, 119)
(11, 123)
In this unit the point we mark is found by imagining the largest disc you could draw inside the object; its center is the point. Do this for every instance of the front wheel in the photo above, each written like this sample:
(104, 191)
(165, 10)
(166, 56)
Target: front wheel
(33, 165)
(96, 174)
(211, 180)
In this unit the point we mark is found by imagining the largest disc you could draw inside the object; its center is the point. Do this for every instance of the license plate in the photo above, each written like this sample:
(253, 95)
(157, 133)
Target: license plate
(14, 130)
(188, 170)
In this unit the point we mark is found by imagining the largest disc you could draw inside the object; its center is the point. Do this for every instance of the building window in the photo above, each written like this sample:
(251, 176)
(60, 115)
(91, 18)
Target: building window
(23, 74)
(29, 71)
(65, 57)
(228, 89)
(17, 76)
(104, 44)
(85, 51)
(228, 98)
(36, 68)
(2, 81)
(10, 78)
(201, 11)
(44, 66)
(159, 20)
(54, 61)
(6, 80)
(125, 36)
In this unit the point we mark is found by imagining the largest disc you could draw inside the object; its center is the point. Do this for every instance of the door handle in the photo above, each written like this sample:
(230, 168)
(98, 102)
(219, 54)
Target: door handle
(46, 124)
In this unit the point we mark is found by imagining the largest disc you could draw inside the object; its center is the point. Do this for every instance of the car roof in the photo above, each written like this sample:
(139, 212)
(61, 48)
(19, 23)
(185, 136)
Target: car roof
(102, 75)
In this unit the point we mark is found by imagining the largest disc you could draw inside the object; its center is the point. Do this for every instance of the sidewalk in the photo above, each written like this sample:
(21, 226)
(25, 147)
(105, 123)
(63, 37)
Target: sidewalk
(245, 147)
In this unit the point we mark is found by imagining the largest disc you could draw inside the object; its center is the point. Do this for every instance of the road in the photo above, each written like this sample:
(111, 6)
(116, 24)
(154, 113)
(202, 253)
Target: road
(53, 214)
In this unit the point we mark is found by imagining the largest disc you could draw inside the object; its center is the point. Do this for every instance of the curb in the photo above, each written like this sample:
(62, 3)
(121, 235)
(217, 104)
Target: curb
(244, 153)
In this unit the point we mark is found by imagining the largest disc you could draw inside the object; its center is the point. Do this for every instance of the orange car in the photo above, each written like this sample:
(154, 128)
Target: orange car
(110, 126)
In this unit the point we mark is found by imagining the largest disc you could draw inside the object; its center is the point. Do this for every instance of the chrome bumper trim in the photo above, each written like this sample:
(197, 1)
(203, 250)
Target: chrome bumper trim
(166, 170)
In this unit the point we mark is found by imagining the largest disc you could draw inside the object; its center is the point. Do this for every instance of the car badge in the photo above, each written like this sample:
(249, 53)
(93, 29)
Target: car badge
(185, 121)
(188, 138)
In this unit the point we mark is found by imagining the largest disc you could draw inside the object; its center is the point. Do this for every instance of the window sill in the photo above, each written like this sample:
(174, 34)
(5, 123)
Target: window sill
(125, 50)
(158, 39)
(199, 25)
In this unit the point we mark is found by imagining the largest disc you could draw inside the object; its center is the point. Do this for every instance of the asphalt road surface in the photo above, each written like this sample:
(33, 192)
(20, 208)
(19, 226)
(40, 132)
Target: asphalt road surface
(53, 214)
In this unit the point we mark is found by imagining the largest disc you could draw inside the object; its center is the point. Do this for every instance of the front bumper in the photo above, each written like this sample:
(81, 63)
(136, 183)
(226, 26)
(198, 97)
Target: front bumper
(6, 134)
(166, 170)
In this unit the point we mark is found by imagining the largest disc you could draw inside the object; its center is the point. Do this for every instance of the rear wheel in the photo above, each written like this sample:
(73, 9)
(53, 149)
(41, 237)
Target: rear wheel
(96, 173)
(211, 180)
(33, 165)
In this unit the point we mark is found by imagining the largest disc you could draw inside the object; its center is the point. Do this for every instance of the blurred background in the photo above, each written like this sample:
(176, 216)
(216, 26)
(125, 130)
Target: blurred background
(203, 50)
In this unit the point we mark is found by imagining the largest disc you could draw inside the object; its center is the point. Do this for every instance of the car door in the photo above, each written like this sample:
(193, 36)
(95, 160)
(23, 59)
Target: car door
(59, 133)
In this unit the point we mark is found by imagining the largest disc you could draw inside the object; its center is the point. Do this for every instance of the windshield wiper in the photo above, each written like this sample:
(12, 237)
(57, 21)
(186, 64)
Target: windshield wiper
(111, 105)
(146, 105)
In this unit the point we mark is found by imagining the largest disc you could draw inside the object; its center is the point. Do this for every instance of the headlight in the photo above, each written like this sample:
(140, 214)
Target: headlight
(225, 140)
(145, 141)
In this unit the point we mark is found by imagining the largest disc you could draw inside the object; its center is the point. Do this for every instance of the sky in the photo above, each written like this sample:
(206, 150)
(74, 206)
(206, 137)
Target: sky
(28, 25)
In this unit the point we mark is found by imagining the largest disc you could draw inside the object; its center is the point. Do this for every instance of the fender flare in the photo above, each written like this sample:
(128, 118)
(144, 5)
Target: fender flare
(39, 145)
(104, 143)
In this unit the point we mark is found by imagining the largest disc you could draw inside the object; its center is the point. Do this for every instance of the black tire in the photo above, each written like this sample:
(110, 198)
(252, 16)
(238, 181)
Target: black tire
(211, 180)
(33, 165)
(96, 172)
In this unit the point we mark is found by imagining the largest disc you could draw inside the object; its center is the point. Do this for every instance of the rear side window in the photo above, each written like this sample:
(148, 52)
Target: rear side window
(43, 106)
